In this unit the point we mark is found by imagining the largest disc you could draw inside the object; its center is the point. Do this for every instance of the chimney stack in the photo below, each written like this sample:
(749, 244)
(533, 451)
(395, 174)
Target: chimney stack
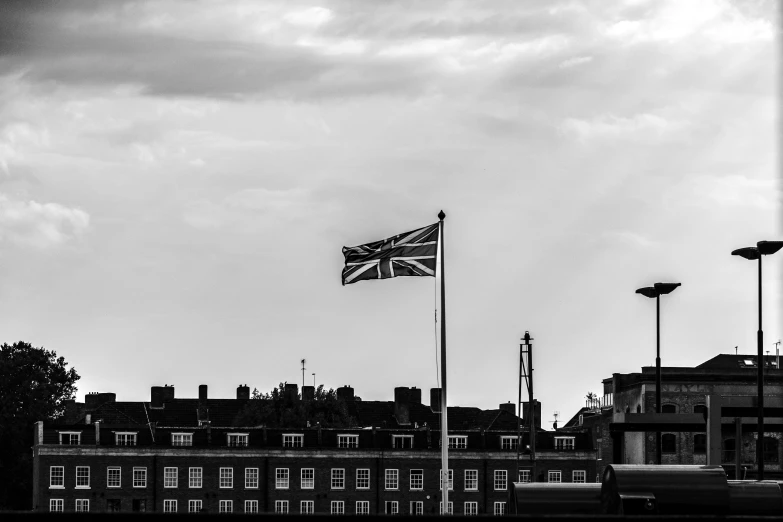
(509, 407)
(202, 413)
(94, 400)
(160, 395)
(402, 405)
(291, 392)
(243, 392)
(308, 393)
(435, 399)
(345, 393)
(415, 395)
(526, 413)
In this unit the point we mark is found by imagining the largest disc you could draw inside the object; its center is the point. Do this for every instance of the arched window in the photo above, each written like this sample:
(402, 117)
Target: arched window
(669, 408)
(668, 443)
(729, 447)
(700, 408)
(770, 449)
(699, 443)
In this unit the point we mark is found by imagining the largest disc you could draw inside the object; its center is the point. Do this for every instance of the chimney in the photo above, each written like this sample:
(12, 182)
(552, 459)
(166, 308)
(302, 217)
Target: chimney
(308, 393)
(202, 413)
(94, 400)
(415, 395)
(168, 393)
(243, 392)
(509, 407)
(291, 392)
(402, 405)
(435, 399)
(202, 392)
(160, 395)
(526, 413)
(345, 393)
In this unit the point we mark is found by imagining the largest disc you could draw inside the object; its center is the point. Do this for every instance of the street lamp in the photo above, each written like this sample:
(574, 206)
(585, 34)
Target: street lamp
(762, 248)
(656, 291)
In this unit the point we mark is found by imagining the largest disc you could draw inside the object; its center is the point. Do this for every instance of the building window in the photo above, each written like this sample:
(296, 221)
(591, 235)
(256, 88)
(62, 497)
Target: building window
(56, 504)
(281, 506)
(668, 443)
(281, 478)
(402, 441)
(362, 507)
(139, 505)
(139, 477)
(56, 476)
(195, 477)
(451, 479)
(554, 476)
(251, 506)
(308, 478)
(181, 439)
(251, 478)
(669, 408)
(524, 475)
(471, 508)
(770, 449)
(82, 476)
(508, 443)
(391, 507)
(169, 506)
(307, 507)
(471, 480)
(170, 476)
(82, 505)
(699, 444)
(501, 480)
(113, 477)
(113, 505)
(451, 507)
(729, 446)
(72, 438)
(579, 476)
(237, 440)
(125, 438)
(338, 507)
(564, 443)
(417, 507)
(194, 506)
(338, 478)
(500, 508)
(226, 478)
(347, 441)
(700, 408)
(293, 440)
(458, 441)
(362, 479)
(226, 506)
(392, 477)
(417, 479)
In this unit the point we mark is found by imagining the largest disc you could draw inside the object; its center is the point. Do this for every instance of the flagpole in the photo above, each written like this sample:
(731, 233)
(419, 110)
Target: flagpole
(444, 431)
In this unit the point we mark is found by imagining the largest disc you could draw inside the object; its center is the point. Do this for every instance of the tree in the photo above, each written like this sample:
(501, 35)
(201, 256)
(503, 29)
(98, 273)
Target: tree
(274, 410)
(33, 387)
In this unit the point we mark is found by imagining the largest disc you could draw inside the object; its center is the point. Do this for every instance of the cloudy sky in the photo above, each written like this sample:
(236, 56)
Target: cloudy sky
(177, 179)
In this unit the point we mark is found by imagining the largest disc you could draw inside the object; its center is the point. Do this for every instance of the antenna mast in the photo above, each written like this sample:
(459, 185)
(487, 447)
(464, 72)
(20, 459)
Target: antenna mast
(303, 369)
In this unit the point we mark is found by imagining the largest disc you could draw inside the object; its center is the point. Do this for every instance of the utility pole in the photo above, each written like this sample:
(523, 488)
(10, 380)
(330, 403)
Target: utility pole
(526, 373)
(303, 370)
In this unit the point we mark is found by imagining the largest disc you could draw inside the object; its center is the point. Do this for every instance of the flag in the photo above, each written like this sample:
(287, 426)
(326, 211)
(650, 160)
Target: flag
(409, 254)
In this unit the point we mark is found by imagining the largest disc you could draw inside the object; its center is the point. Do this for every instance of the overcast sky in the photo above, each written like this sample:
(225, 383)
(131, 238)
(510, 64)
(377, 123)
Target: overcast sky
(178, 177)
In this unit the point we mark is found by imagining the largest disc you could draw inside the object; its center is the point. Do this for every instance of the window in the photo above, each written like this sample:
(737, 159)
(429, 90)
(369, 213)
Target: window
(113, 505)
(770, 449)
(700, 408)
(699, 443)
(338, 507)
(501, 480)
(113, 478)
(82, 505)
(194, 506)
(226, 506)
(307, 507)
(458, 441)
(281, 506)
(471, 480)
(362, 507)
(402, 441)
(417, 507)
(668, 443)
(293, 440)
(392, 479)
(251, 478)
(554, 476)
(450, 507)
(281, 478)
(125, 438)
(451, 479)
(56, 504)
(181, 439)
(508, 443)
(82, 476)
(308, 478)
(362, 479)
(564, 443)
(56, 476)
(139, 505)
(347, 441)
(226, 478)
(338, 478)
(471, 508)
(70, 437)
(669, 408)
(500, 508)
(170, 477)
(194, 477)
(579, 476)
(237, 440)
(391, 507)
(139, 477)
(169, 506)
(524, 475)
(729, 446)
(251, 506)
(417, 479)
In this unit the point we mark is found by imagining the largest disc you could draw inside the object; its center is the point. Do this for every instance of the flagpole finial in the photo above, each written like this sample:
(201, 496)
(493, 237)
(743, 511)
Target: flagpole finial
(441, 215)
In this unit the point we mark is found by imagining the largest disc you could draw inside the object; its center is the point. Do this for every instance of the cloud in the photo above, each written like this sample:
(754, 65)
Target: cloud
(627, 238)
(40, 225)
(609, 126)
(733, 191)
(577, 60)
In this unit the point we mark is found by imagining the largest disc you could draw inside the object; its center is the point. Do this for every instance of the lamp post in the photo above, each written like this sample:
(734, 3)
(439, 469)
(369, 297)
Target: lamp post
(656, 291)
(762, 248)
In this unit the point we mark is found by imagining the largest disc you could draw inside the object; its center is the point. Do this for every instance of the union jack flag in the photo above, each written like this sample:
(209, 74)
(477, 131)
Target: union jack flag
(409, 254)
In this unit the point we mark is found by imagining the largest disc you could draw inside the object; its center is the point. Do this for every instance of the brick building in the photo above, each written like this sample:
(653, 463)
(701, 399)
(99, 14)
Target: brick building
(185, 455)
